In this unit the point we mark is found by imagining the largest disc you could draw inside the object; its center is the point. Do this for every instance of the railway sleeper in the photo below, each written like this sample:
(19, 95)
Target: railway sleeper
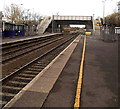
(17, 82)
(23, 78)
(35, 66)
(31, 73)
(8, 90)
(28, 71)
(16, 85)
(7, 94)
(2, 103)
(6, 99)
(38, 67)
(33, 69)
(42, 63)
(11, 87)
(26, 75)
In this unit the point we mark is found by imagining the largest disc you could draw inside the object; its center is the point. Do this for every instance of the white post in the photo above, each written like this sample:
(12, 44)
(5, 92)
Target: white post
(3, 25)
(104, 11)
(4, 9)
(27, 14)
(93, 23)
(53, 24)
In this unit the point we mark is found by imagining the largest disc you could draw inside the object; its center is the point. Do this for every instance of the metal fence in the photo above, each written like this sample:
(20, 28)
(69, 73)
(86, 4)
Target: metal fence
(107, 33)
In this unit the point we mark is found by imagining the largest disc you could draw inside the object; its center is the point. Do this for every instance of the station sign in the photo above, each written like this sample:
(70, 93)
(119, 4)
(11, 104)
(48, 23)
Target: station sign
(117, 30)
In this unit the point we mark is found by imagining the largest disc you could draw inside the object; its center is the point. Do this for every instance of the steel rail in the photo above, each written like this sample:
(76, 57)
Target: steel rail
(20, 54)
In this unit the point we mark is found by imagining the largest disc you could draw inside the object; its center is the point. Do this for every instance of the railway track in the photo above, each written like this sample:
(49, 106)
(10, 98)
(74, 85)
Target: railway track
(11, 52)
(12, 45)
(15, 63)
(19, 52)
(13, 83)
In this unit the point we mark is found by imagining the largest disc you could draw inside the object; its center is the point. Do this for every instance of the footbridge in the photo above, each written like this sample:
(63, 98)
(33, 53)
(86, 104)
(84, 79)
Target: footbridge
(55, 22)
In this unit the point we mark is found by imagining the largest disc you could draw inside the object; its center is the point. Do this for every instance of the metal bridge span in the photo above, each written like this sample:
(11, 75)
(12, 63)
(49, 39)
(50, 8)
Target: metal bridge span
(74, 18)
(56, 21)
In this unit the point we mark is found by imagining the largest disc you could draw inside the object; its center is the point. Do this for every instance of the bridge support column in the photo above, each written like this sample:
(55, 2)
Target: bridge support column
(54, 25)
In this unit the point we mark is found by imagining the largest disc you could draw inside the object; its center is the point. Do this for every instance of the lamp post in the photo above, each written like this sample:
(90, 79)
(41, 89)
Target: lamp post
(20, 19)
(53, 24)
(104, 10)
(28, 14)
(4, 18)
(4, 9)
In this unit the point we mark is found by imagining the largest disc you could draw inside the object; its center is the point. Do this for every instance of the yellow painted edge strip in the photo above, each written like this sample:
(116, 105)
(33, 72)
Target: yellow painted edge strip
(79, 84)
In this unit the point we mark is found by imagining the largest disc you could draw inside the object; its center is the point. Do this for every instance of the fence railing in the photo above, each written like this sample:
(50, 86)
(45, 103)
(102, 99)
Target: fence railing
(107, 33)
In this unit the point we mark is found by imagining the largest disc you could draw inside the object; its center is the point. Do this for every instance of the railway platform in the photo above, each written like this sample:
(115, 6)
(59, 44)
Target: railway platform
(22, 38)
(56, 84)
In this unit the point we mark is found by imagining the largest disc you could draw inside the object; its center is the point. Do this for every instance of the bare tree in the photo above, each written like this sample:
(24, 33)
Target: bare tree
(15, 14)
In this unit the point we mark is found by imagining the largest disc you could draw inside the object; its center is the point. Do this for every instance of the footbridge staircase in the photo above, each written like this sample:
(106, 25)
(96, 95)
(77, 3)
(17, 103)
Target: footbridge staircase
(44, 24)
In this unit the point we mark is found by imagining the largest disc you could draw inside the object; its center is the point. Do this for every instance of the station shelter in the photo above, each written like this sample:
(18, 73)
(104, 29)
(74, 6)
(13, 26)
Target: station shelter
(12, 30)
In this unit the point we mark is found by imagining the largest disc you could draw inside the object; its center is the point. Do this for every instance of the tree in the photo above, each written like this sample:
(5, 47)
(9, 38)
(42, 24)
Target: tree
(15, 14)
(113, 19)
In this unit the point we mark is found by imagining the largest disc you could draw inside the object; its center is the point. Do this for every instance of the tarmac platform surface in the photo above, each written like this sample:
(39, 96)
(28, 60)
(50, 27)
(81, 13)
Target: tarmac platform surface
(100, 80)
(56, 85)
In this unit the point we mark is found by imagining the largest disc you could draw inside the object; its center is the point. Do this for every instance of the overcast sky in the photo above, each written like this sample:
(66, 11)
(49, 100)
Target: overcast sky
(65, 7)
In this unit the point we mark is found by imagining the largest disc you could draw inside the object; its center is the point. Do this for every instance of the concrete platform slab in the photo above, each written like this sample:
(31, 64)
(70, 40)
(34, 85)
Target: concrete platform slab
(63, 92)
(30, 99)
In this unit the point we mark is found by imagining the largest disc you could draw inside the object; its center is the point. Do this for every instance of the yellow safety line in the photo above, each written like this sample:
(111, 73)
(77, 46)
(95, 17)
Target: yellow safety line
(79, 85)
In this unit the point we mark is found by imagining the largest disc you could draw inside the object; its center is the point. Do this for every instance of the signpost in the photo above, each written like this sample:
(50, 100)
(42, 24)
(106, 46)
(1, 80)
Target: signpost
(118, 29)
